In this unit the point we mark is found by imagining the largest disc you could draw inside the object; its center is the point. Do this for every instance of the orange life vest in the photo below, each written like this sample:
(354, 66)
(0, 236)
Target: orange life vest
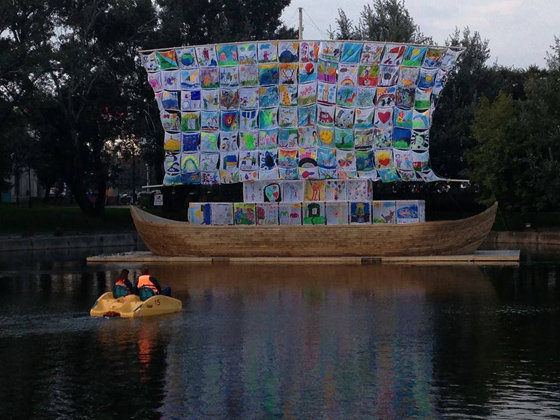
(144, 281)
(121, 282)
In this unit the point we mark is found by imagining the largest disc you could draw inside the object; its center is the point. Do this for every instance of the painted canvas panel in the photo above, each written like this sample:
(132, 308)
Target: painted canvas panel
(247, 53)
(372, 52)
(190, 100)
(268, 52)
(209, 78)
(249, 98)
(360, 212)
(268, 96)
(210, 120)
(314, 213)
(268, 74)
(314, 191)
(326, 71)
(244, 213)
(248, 75)
(405, 97)
(249, 160)
(186, 57)
(308, 51)
(330, 50)
(190, 162)
(206, 56)
(287, 117)
(267, 214)
(292, 191)
(249, 120)
(367, 75)
(288, 95)
(172, 142)
(307, 72)
(358, 190)
(413, 55)
(200, 214)
(288, 51)
(383, 212)
(336, 213)
(170, 80)
(227, 54)
(289, 214)
(307, 93)
(209, 161)
(326, 93)
(288, 74)
(335, 190)
(221, 213)
(189, 79)
(288, 137)
(210, 99)
(407, 211)
(351, 52)
(229, 76)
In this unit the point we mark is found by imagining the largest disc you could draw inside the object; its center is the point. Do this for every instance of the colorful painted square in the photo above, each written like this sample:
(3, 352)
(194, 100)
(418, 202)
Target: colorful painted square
(326, 71)
(247, 53)
(288, 73)
(209, 78)
(288, 95)
(288, 51)
(229, 77)
(268, 52)
(227, 55)
(210, 120)
(206, 56)
(268, 96)
(189, 79)
(268, 118)
(230, 121)
(351, 52)
(413, 55)
(268, 74)
(248, 140)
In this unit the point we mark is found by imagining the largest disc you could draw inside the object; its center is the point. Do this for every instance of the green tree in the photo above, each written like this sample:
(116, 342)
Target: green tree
(492, 161)
(383, 20)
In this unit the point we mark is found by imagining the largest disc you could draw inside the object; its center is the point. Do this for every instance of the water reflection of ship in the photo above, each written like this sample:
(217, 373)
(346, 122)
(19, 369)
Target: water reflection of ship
(352, 342)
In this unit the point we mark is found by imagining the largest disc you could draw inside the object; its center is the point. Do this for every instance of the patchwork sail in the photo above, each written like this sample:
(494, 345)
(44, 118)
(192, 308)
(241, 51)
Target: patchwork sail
(297, 110)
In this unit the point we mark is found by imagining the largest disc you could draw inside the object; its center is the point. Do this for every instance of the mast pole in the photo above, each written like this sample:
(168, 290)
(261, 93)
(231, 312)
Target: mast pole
(300, 33)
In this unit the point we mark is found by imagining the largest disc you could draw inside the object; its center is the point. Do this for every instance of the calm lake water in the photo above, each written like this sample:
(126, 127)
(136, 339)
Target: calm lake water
(296, 342)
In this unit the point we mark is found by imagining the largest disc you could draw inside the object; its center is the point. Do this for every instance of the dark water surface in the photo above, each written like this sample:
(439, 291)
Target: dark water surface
(301, 342)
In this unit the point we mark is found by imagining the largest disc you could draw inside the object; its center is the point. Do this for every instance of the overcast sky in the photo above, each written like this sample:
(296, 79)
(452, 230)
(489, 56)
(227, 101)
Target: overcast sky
(520, 31)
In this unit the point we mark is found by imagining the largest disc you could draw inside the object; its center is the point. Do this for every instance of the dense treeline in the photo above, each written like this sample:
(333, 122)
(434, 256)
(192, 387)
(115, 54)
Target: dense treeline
(70, 84)
(495, 125)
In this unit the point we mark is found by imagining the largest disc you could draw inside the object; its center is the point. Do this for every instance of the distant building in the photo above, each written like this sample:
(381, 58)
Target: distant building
(21, 184)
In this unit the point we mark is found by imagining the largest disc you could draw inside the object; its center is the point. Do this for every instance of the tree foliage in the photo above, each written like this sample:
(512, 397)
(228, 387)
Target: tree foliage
(383, 20)
(71, 82)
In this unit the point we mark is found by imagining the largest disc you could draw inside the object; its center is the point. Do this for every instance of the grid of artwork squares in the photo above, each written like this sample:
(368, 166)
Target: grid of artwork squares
(297, 110)
(307, 213)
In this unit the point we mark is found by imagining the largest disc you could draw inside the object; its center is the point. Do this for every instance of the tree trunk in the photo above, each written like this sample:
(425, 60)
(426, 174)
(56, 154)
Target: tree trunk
(48, 188)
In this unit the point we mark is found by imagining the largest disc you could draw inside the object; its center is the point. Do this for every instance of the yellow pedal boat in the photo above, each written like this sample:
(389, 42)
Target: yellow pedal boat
(132, 307)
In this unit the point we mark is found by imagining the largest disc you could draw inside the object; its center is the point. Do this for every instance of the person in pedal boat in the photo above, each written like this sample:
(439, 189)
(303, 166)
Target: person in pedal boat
(145, 280)
(123, 286)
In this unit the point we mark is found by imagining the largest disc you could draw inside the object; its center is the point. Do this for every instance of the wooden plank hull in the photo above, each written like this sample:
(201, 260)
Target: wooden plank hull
(454, 237)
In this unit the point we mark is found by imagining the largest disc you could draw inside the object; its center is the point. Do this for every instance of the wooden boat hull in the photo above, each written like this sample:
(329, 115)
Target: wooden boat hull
(453, 237)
